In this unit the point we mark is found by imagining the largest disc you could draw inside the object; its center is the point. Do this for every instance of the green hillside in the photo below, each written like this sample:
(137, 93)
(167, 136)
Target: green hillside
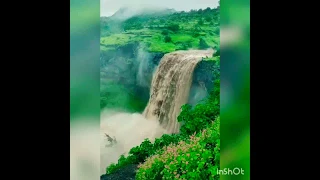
(163, 32)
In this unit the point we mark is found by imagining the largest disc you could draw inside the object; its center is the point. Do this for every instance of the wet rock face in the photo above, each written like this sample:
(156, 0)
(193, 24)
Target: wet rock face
(126, 173)
(203, 81)
(204, 73)
(132, 67)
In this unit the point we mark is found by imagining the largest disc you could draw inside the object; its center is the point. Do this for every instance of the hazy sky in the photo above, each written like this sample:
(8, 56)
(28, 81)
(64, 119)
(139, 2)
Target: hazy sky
(108, 7)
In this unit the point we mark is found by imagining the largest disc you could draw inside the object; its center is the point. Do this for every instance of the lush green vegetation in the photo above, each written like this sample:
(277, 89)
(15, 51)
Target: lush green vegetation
(195, 120)
(195, 158)
(164, 32)
(197, 147)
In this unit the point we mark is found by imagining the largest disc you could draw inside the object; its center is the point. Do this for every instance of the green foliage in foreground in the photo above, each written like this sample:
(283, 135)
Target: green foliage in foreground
(194, 121)
(197, 118)
(138, 154)
(196, 158)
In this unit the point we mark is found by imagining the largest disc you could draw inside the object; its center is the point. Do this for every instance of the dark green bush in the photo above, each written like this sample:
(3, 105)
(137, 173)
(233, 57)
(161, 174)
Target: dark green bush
(165, 32)
(203, 44)
(167, 39)
(208, 19)
(218, 52)
(200, 22)
(174, 27)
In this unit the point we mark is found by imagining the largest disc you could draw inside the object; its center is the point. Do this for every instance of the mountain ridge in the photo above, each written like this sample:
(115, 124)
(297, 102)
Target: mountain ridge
(127, 12)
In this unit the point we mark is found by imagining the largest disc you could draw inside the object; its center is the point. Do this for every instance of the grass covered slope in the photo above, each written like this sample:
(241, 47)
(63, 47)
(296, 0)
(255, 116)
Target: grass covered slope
(163, 32)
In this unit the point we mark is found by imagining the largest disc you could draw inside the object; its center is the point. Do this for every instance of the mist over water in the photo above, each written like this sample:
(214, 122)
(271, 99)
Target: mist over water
(84, 149)
(129, 130)
(145, 67)
(197, 93)
(171, 88)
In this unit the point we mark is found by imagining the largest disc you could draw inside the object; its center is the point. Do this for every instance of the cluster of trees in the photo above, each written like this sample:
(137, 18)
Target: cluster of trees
(207, 15)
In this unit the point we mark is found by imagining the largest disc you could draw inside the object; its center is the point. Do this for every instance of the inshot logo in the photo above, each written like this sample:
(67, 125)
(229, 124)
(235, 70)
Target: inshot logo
(229, 171)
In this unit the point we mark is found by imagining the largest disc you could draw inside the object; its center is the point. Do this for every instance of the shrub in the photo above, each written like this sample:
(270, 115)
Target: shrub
(217, 53)
(203, 44)
(167, 39)
(196, 158)
(139, 153)
(208, 19)
(165, 32)
(183, 47)
(174, 27)
(195, 34)
(113, 167)
(200, 22)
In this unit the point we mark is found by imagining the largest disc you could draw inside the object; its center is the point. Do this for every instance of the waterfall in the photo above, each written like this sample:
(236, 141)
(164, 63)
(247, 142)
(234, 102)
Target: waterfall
(171, 85)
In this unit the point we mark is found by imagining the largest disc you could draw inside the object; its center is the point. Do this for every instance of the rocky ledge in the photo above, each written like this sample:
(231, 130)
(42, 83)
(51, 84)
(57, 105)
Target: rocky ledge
(126, 173)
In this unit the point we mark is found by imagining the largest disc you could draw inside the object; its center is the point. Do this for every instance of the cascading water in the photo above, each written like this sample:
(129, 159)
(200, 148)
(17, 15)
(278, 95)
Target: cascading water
(171, 85)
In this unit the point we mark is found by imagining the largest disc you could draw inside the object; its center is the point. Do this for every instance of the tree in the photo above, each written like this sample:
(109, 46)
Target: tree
(217, 30)
(208, 19)
(174, 27)
(165, 32)
(167, 39)
(186, 46)
(207, 9)
(203, 44)
(200, 22)
(217, 53)
(138, 25)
